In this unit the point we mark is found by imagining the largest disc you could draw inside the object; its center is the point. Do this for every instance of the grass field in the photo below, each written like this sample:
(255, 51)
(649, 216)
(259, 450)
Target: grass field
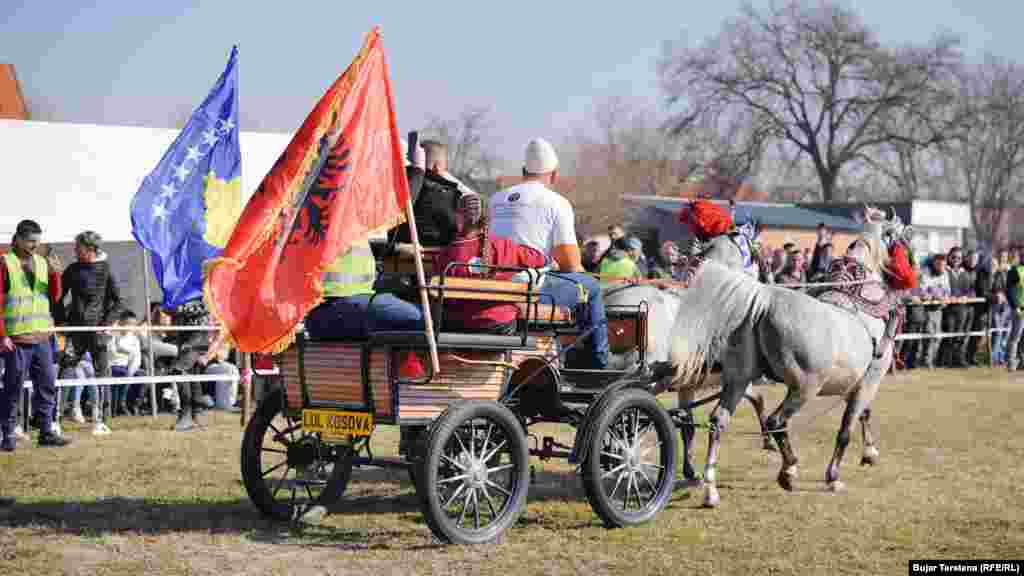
(149, 501)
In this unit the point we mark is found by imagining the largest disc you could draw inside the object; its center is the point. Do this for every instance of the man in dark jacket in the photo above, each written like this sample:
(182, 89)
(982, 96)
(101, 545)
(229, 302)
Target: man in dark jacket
(982, 270)
(437, 201)
(95, 301)
(956, 318)
(193, 347)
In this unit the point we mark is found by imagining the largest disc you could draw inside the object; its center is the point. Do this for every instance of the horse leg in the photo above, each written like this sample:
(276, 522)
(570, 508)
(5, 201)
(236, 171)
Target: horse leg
(756, 399)
(731, 395)
(856, 405)
(854, 409)
(690, 478)
(776, 424)
(870, 457)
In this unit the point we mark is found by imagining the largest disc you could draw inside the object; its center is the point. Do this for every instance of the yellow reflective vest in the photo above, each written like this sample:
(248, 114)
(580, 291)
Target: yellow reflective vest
(27, 306)
(351, 273)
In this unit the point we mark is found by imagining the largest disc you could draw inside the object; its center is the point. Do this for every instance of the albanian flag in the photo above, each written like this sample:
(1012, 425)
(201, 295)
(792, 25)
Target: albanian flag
(706, 219)
(340, 179)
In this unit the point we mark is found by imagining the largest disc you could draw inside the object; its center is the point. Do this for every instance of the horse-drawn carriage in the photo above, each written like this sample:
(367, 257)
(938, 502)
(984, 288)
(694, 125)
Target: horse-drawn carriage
(465, 428)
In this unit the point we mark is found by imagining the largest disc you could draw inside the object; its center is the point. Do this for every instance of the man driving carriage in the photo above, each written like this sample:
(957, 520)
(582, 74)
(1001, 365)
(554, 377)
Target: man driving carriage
(532, 214)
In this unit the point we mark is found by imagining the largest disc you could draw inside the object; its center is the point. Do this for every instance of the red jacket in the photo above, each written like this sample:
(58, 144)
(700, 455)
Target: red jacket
(53, 282)
(504, 252)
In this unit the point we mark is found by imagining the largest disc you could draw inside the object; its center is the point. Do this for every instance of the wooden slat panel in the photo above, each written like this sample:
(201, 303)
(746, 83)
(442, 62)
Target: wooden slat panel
(334, 374)
(453, 283)
(456, 381)
(545, 347)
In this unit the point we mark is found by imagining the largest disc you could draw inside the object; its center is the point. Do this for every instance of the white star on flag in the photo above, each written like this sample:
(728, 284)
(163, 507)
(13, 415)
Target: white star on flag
(159, 212)
(168, 190)
(210, 137)
(181, 172)
(193, 154)
(226, 125)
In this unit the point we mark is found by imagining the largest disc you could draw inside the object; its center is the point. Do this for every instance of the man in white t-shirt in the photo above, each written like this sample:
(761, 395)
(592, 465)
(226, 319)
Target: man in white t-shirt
(534, 215)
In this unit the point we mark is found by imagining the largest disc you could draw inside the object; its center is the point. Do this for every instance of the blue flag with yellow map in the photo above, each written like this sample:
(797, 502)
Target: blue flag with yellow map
(185, 209)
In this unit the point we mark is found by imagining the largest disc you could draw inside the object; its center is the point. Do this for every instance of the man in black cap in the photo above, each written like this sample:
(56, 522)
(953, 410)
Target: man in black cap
(95, 301)
(29, 290)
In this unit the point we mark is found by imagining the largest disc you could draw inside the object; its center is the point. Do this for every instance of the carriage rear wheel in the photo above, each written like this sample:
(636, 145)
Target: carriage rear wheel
(475, 473)
(631, 461)
(287, 471)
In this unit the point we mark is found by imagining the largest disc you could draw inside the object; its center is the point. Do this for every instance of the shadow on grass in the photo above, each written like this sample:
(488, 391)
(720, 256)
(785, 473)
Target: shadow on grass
(372, 492)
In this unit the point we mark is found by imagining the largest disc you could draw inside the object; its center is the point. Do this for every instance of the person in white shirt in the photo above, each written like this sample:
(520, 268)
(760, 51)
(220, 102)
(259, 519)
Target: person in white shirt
(534, 215)
(125, 360)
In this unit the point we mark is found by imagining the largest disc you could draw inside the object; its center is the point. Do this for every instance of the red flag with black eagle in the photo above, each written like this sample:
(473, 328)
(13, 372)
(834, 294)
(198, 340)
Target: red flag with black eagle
(340, 179)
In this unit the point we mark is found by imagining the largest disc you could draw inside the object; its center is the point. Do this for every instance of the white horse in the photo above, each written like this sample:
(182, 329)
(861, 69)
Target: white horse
(814, 347)
(663, 309)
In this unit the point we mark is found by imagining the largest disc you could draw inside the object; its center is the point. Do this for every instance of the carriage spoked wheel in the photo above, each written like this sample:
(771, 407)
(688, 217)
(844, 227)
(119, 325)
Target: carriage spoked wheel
(474, 474)
(630, 469)
(287, 471)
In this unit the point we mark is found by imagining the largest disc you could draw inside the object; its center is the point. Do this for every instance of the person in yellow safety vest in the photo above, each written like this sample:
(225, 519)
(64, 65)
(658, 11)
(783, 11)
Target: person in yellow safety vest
(29, 288)
(618, 263)
(346, 313)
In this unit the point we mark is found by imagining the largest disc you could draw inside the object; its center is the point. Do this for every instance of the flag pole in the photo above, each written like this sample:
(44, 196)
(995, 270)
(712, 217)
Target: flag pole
(151, 368)
(417, 255)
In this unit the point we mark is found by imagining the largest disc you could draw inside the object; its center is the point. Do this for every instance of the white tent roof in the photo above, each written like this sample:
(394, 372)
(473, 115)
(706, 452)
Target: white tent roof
(74, 177)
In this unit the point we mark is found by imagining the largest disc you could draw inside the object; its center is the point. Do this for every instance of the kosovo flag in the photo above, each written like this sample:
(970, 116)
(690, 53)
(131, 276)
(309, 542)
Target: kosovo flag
(185, 209)
(341, 178)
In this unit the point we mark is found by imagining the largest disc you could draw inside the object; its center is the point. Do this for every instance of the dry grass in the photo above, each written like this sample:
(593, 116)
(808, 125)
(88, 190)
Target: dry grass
(146, 500)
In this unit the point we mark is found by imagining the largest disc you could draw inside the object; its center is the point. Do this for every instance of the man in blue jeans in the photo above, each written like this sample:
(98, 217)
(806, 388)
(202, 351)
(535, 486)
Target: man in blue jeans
(346, 312)
(534, 215)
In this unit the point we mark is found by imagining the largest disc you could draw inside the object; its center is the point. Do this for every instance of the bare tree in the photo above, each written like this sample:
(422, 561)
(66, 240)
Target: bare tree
(622, 150)
(471, 155)
(990, 156)
(815, 77)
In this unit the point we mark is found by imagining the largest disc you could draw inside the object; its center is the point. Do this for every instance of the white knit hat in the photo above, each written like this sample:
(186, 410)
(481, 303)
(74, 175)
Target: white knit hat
(540, 157)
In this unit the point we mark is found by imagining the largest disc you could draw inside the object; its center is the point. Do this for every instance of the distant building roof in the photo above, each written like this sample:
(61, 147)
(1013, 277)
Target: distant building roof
(770, 214)
(12, 104)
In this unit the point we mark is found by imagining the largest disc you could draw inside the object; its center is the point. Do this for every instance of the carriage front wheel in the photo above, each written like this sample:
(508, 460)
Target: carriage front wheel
(475, 473)
(287, 471)
(631, 461)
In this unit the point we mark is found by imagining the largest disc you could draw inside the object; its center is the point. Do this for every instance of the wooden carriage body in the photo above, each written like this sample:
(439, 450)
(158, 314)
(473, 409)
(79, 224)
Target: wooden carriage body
(363, 376)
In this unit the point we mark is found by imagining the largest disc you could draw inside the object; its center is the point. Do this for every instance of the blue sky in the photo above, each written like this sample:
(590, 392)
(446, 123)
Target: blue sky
(539, 65)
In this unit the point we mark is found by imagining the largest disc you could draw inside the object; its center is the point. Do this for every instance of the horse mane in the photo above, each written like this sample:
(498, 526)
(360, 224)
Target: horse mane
(718, 302)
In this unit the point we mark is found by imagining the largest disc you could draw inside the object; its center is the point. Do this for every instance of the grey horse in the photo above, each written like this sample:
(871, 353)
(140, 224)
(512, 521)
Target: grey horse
(663, 308)
(814, 347)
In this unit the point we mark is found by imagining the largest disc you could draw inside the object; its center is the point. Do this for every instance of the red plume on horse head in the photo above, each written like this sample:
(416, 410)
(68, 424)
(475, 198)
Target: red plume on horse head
(706, 219)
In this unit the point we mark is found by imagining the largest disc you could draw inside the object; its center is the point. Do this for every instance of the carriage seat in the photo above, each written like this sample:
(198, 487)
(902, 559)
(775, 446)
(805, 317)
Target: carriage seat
(530, 305)
(452, 340)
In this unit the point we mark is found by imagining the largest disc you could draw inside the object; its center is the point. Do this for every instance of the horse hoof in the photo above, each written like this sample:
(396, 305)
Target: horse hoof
(691, 483)
(711, 497)
(786, 477)
(870, 457)
(836, 486)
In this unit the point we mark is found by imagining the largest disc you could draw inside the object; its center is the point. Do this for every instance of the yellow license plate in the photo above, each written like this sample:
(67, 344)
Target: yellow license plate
(337, 423)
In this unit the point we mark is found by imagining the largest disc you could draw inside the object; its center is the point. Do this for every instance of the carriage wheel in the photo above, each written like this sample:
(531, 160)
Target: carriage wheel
(287, 471)
(631, 462)
(475, 473)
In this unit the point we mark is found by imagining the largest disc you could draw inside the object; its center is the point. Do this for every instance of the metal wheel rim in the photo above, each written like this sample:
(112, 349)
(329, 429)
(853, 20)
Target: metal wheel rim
(629, 476)
(301, 486)
(476, 477)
